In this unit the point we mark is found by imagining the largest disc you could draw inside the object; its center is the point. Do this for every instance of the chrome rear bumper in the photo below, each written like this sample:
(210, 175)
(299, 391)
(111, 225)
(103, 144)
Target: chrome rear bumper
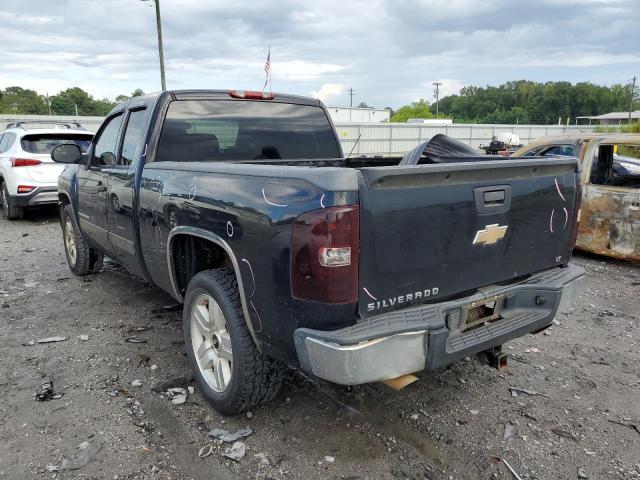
(432, 336)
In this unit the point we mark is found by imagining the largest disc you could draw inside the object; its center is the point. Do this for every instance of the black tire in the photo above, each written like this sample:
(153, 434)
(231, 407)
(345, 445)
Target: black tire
(86, 259)
(255, 378)
(10, 209)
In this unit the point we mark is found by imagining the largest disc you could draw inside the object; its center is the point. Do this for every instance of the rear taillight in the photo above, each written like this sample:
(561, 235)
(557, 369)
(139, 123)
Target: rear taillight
(325, 245)
(251, 95)
(25, 188)
(24, 162)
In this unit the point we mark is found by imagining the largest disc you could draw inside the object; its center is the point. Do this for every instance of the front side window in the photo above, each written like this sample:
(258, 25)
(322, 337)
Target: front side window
(104, 153)
(133, 137)
(227, 130)
(560, 150)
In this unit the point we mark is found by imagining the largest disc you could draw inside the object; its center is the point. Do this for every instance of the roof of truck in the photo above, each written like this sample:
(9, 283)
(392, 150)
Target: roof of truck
(215, 95)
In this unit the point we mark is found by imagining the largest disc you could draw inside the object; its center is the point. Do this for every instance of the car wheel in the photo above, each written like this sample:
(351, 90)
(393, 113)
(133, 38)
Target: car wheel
(82, 259)
(228, 367)
(9, 208)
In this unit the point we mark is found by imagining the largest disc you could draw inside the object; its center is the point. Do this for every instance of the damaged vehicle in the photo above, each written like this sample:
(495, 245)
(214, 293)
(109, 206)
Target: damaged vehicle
(610, 164)
(242, 206)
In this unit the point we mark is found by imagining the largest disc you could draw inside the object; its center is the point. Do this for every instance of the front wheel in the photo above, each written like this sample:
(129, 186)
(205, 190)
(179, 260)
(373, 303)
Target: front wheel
(82, 259)
(228, 367)
(10, 209)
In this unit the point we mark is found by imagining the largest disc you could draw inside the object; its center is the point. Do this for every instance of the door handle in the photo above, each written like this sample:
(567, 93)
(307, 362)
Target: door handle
(101, 187)
(492, 199)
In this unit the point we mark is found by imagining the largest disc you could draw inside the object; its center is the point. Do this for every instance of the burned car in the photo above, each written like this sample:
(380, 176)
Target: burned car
(610, 179)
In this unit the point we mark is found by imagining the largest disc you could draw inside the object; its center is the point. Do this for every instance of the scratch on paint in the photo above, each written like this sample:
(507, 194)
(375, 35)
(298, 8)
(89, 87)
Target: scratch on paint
(252, 277)
(551, 221)
(271, 203)
(194, 188)
(566, 217)
(369, 293)
(558, 188)
(229, 229)
(322, 200)
(257, 330)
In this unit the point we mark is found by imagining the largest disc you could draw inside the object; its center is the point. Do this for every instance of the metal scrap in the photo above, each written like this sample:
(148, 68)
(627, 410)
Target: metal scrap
(513, 472)
(45, 392)
(626, 424)
(515, 391)
(229, 437)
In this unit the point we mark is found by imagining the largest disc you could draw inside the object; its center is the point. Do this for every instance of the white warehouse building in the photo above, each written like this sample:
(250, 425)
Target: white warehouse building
(359, 115)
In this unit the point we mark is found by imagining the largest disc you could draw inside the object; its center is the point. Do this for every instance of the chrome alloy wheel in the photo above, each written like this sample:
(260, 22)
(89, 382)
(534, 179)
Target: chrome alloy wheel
(70, 241)
(211, 342)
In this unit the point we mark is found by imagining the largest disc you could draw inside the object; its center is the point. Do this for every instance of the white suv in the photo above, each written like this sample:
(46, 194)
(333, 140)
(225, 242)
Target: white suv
(28, 176)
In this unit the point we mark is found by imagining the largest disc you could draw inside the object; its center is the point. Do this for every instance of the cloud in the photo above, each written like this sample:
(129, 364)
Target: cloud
(388, 51)
(327, 91)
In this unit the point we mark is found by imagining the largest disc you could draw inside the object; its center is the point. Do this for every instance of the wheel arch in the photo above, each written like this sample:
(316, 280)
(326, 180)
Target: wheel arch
(185, 231)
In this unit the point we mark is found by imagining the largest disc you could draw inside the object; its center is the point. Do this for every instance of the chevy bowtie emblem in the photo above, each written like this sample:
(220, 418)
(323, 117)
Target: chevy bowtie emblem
(490, 234)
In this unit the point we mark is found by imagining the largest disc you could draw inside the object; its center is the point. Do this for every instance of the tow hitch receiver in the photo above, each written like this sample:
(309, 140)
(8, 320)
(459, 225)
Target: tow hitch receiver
(496, 358)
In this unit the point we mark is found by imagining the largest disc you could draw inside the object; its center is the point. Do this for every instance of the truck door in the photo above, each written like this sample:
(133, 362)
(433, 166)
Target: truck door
(121, 190)
(92, 183)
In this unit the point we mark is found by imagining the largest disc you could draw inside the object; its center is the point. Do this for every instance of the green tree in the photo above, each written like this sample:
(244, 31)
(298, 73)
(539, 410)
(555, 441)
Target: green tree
(419, 109)
(17, 100)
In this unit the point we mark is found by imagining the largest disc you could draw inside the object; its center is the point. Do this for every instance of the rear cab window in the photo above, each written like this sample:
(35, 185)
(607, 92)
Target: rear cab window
(228, 130)
(44, 143)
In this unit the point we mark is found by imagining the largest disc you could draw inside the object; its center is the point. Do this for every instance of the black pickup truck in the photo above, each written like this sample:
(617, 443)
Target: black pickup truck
(242, 206)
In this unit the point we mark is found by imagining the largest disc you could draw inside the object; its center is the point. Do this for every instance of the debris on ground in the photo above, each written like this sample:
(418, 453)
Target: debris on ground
(177, 395)
(626, 424)
(53, 339)
(565, 433)
(205, 451)
(83, 338)
(329, 459)
(582, 474)
(236, 452)
(515, 392)
(513, 472)
(164, 385)
(508, 432)
(229, 437)
(262, 458)
(136, 383)
(167, 308)
(45, 392)
(136, 340)
(76, 457)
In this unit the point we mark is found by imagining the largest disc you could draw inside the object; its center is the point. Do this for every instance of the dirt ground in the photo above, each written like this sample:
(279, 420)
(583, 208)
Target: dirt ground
(584, 421)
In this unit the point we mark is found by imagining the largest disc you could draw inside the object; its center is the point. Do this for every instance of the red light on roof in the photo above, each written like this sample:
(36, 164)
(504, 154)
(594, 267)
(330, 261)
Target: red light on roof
(251, 95)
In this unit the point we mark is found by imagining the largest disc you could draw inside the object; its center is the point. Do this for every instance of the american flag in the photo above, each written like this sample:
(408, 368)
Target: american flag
(267, 68)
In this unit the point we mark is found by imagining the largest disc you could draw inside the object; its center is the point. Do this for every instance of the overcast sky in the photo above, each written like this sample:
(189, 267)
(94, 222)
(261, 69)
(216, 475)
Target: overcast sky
(389, 51)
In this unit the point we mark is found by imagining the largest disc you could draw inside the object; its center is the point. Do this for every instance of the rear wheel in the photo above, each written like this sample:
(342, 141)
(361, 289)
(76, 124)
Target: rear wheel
(82, 259)
(9, 207)
(229, 369)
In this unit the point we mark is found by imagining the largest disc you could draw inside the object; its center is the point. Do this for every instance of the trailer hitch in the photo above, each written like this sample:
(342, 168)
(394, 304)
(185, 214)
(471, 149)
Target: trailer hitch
(496, 358)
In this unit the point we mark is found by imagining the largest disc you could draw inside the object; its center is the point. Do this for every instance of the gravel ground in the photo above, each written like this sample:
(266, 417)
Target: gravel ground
(111, 422)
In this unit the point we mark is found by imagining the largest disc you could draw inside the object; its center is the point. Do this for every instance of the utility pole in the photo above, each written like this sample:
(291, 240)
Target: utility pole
(351, 93)
(437, 94)
(633, 92)
(164, 86)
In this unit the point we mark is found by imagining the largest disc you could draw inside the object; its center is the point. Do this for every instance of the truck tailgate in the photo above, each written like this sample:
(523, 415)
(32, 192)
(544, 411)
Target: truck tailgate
(430, 232)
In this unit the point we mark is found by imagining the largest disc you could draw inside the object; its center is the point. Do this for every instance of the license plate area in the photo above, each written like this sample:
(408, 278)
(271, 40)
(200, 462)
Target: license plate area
(478, 314)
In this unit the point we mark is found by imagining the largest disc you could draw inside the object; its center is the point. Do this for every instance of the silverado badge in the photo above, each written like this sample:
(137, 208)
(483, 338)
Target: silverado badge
(490, 234)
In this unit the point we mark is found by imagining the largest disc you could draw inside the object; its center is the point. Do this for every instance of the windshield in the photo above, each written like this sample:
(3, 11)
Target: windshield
(44, 143)
(205, 130)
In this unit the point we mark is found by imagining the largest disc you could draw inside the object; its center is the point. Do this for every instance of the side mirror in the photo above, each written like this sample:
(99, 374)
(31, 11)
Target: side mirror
(66, 153)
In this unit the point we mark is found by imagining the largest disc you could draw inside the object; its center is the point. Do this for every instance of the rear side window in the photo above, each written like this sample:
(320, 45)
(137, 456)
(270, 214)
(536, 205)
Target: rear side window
(7, 141)
(226, 130)
(133, 137)
(45, 143)
(561, 150)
